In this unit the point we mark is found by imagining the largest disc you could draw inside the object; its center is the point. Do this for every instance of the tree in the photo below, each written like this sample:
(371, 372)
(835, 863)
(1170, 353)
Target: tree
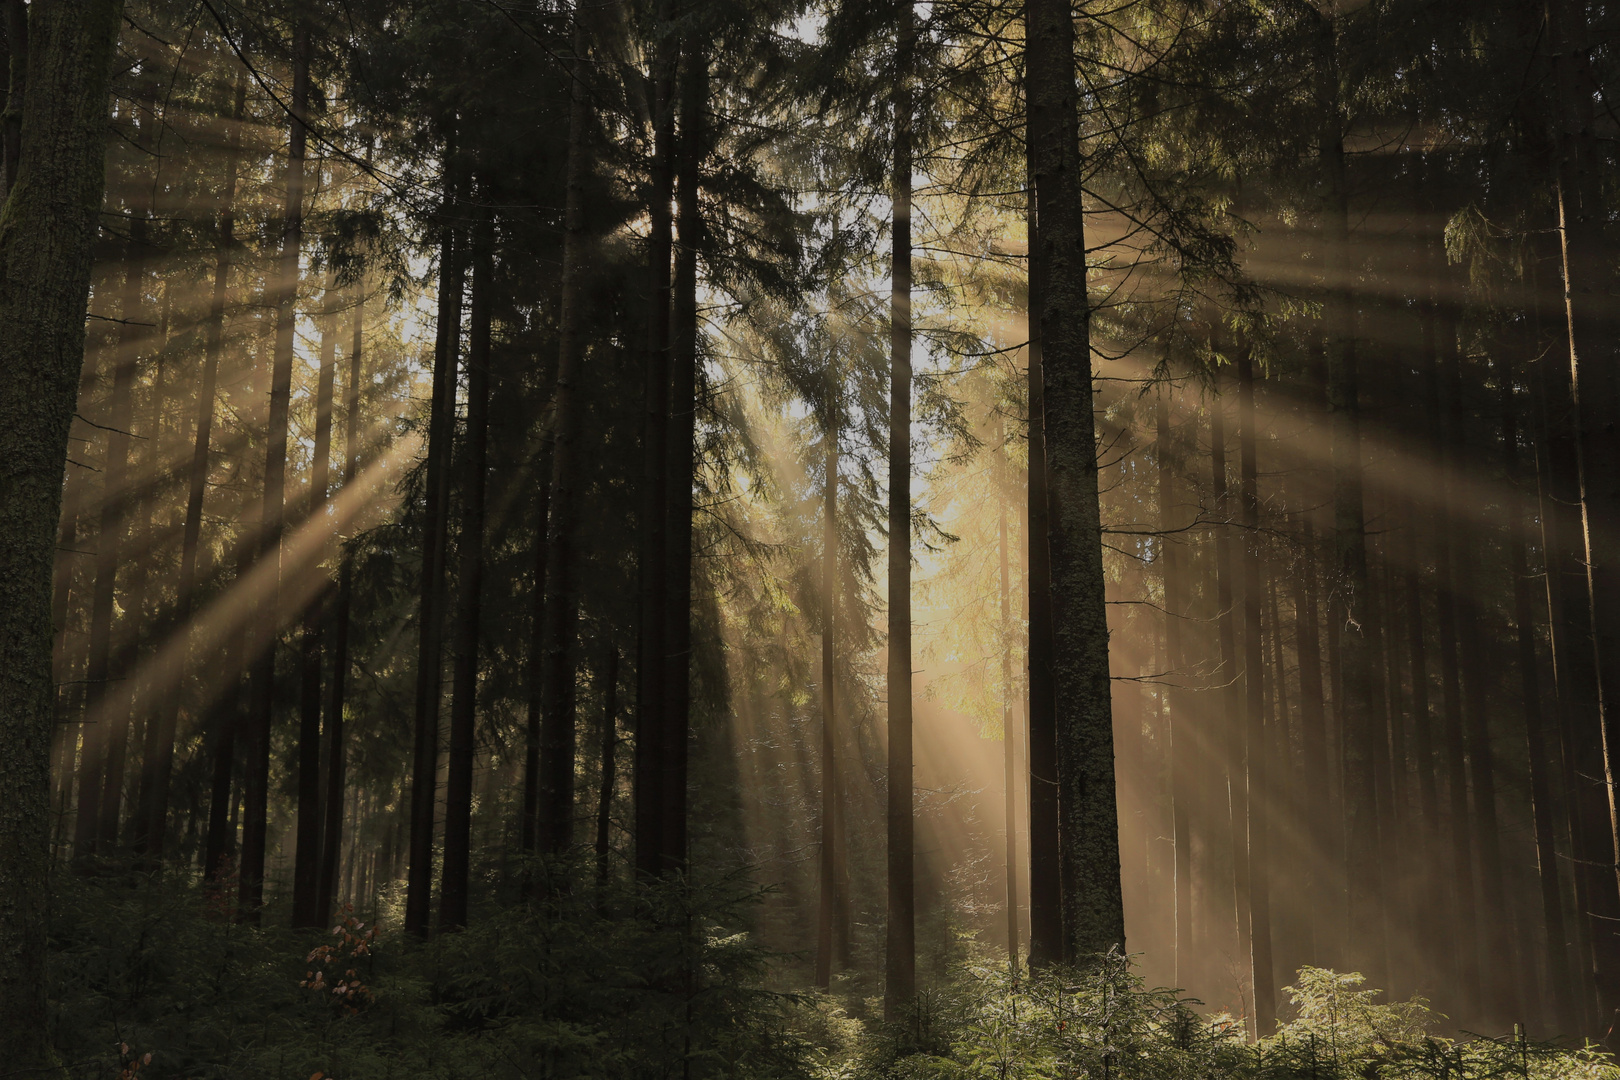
(47, 227)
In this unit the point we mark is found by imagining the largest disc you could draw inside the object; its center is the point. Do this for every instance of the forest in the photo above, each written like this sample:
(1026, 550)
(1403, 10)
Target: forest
(809, 539)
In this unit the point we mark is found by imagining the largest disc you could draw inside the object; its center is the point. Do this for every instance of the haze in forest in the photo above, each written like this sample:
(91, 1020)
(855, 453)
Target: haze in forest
(792, 539)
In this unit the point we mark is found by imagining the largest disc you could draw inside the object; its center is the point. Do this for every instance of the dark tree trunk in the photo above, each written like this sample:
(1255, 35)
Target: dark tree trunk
(435, 526)
(1009, 710)
(558, 675)
(1593, 395)
(900, 941)
(1093, 911)
(827, 856)
(1255, 734)
(458, 782)
(1045, 892)
(1178, 728)
(1462, 918)
(255, 808)
(336, 747)
(16, 29)
(1229, 741)
(307, 909)
(541, 480)
(46, 236)
(1318, 822)
(610, 779)
(1361, 705)
(1537, 759)
(651, 555)
(681, 463)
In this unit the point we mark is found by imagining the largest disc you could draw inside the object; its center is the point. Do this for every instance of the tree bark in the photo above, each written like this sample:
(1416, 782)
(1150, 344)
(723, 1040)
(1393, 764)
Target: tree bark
(528, 829)
(1009, 742)
(311, 828)
(1255, 733)
(1178, 727)
(337, 689)
(47, 230)
(458, 783)
(1229, 744)
(1045, 892)
(680, 467)
(558, 676)
(1093, 910)
(827, 862)
(610, 779)
(255, 808)
(435, 526)
(1318, 824)
(900, 939)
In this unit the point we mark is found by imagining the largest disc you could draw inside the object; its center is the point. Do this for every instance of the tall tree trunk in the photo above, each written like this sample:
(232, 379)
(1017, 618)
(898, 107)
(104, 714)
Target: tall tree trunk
(155, 801)
(1093, 911)
(900, 940)
(541, 480)
(16, 29)
(47, 232)
(1317, 824)
(337, 688)
(1500, 997)
(255, 809)
(1461, 910)
(1178, 728)
(435, 528)
(1229, 744)
(610, 779)
(1537, 759)
(1009, 741)
(310, 827)
(827, 856)
(1359, 631)
(1045, 892)
(458, 782)
(1593, 394)
(680, 475)
(557, 677)
(1255, 734)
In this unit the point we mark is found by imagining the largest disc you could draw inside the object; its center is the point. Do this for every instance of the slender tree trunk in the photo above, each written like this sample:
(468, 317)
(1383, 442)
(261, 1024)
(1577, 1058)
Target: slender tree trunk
(16, 28)
(900, 942)
(1594, 398)
(1009, 741)
(255, 809)
(1359, 633)
(1255, 734)
(527, 837)
(557, 678)
(47, 232)
(1317, 823)
(680, 466)
(1093, 911)
(828, 862)
(1537, 759)
(1230, 741)
(458, 784)
(651, 554)
(1045, 892)
(435, 528)
(1461, 909)
(337, 689)
(610, 779)
(310, 827)
(1178, 728)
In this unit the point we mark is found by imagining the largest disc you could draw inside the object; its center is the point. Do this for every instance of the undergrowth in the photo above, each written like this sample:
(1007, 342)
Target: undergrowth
(154, 978)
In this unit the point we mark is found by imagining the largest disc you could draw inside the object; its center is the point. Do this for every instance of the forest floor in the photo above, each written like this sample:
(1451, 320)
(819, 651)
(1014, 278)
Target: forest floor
(155, 977)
